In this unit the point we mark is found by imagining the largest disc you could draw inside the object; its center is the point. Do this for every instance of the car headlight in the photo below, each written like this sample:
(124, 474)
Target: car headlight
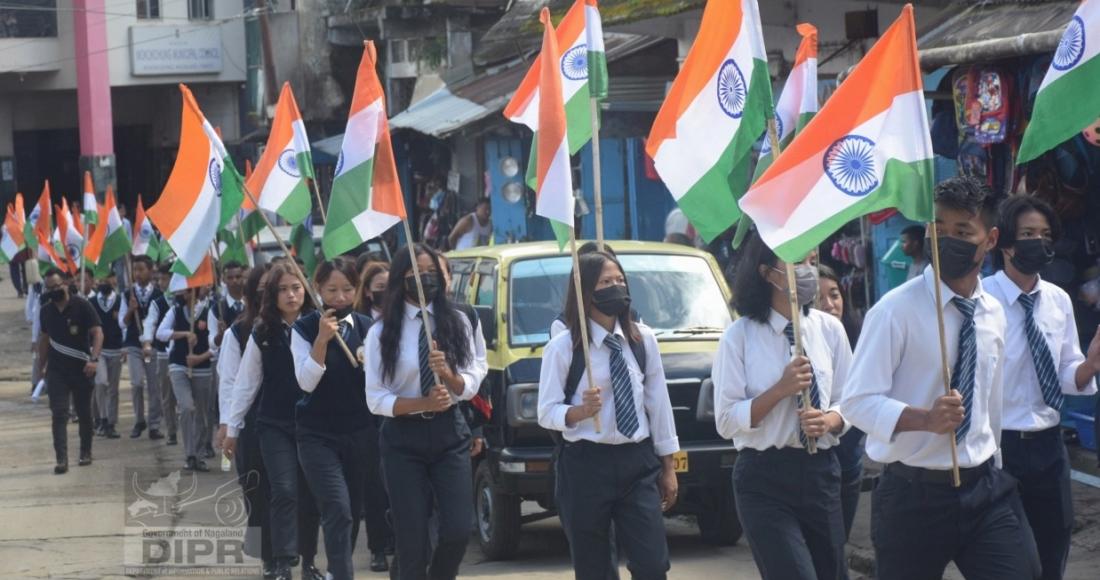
(523, 404)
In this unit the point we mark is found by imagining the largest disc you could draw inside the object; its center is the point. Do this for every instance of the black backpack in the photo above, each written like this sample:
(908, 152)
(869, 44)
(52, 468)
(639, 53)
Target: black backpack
(576, 366)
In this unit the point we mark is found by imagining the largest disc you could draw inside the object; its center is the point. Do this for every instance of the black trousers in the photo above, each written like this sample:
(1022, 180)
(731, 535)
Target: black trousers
(1040, 462)
(376, 502)
(295, 520)
(334, 466)
(596, 485)
(62, 382)
(918, 527)
(850, 455)
(426, 465)
(15, 268)
(252, 478)
(789, 505)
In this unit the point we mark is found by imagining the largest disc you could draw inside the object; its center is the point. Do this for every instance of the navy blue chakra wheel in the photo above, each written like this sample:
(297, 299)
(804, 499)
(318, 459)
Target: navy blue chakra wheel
(339, 163)
(732, 90)
(1072, 46)
(767, 147)
(215, 176)
(288, 163)
(850, 164)
(574, 63)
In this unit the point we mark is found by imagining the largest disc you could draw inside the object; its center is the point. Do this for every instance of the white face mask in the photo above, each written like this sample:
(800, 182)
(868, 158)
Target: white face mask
(806, 283)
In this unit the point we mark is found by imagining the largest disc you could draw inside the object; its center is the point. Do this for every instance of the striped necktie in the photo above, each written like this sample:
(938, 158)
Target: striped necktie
(1040, 355)
(962, 379)
(815, 393)
(427, 378)
(626, 416)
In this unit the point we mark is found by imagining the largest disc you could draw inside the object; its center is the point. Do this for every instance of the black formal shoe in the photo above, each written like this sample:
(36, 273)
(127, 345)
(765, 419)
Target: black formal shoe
(110, 432)
(282, 571)
(154, 434)
(138, 430)
(390, 550)
(74, 417)
(208, 453)
(378, 562)
(269, 570)
(310, 572)
(85, 459)
(61, 467)
(189, 465)
(200, 465)
(171, 439)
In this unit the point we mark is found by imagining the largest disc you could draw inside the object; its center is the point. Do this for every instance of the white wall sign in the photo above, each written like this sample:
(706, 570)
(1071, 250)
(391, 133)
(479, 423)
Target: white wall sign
(169, 50)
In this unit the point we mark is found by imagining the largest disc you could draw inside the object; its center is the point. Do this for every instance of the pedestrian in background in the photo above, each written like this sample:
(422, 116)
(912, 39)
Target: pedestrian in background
(157, 349)
(144, 382)
(107, 303)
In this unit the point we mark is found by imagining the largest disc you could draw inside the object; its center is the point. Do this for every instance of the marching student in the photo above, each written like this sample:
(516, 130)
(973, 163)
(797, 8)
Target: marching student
(372, 289)
(920, 522)
(1043, 364)
(425, 441)
(331, 418)
(788, 499)
(69, 342)
(266, 370)
(189, 366)
(230, 303)
(143, 369)
(624, 473)
(106, 301)
(157, 350)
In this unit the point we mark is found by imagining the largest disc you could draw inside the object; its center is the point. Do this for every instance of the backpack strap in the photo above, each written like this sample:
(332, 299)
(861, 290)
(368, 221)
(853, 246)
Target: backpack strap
(471, 314)
(576, 366)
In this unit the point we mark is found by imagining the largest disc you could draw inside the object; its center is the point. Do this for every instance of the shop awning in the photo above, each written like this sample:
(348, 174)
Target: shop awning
(440, 114)
(994, 29)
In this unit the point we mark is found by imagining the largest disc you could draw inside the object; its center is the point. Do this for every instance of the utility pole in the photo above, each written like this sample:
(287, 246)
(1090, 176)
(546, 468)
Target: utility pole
(271, 89)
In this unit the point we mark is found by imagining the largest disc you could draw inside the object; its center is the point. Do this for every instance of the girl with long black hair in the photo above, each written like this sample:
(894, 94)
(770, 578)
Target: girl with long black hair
(623, 472)
(414, 377)
(372, 289)
(331, 417)
(788, 500)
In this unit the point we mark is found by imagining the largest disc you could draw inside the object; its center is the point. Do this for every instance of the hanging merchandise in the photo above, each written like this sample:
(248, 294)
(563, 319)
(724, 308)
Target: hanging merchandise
(987, 104)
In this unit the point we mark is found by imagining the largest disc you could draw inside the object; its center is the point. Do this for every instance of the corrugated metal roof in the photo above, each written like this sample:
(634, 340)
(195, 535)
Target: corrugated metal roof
(440, 114)
(994, 30)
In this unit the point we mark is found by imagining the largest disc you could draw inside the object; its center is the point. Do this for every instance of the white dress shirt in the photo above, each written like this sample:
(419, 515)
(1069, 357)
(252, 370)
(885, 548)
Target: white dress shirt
(382, 393)
(150, 324)
(1024, 408)
(306, 370)
(651, 401)
(246, 386)
(229, 363)
(167, 326)
(897, 365)
(557, 327)
(138, 292)
(751, 359)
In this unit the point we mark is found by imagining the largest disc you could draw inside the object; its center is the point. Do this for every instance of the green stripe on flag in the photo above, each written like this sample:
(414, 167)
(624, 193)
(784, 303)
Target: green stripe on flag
(297, 205)
(305, 164)
(231, 193)
(1062, 109)
(347, 200)
(597, 75)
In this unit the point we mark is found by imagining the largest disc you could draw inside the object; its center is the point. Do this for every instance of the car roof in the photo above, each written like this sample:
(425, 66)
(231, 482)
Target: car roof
(511, 252)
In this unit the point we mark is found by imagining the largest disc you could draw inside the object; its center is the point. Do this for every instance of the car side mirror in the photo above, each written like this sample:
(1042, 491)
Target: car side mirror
(488, 323)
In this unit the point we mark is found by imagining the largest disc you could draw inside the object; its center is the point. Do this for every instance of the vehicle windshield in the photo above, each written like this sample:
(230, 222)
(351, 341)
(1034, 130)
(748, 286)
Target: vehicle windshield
(676, 296)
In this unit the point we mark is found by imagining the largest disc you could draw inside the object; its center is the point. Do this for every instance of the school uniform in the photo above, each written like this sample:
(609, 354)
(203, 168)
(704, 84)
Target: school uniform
(376, 502)
(919, 521)
(109, 372)
(331, 423)
(263, 405)
(191, 385)
(425, 457)
(788, 500)
(611, 476)
(1042, 354)
(143, 374)
(158, 309)
(69, 352)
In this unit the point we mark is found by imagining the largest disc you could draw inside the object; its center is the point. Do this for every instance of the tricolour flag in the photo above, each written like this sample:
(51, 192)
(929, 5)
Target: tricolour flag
(279, 181)
(1068, 100)
(70, 235)
(301, 243)
(203, 276)
(714, 113)
(41, 219)
(203, 192)
(868, 149)
(88, 203)
(798, 102)
(366, 195)
(14, 239)
(145, 238)
(597, 57)
(110, 241)
(554, 191)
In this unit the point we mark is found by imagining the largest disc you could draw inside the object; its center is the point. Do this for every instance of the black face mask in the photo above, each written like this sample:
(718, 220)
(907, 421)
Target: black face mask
(73, 289)
(342, 313)
(1031, 255)
(612, 301)
(956, 257)
(431, 287)
(55, 295)
(181, 301)
(376, 298)
(104, 289)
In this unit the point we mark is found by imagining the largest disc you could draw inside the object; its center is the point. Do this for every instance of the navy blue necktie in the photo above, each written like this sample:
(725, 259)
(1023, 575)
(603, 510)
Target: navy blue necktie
(962, 379)
(622, 388)
(1040, 355)
(427, 378)
(815, 393)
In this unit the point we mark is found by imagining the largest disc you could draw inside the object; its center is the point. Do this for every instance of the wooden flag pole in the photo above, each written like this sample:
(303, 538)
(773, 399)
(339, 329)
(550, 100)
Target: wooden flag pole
(190, 347)
(792, 295)
(317, 195)
(133, 293)
(597, 183)
(420, 291)
(83, 260)
(298, 271)
(945, 369)
(583, 317)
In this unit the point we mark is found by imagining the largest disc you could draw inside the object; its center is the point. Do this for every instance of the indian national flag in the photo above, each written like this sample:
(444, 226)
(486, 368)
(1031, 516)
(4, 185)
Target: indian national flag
(573, 68)
(203, 192)
(69, 233)
(597, 57)
(1069, 99)
(203, 276)
(798, 101)
(88, 203)
(14, 239)
(868, 149)
(40, 221)
(713, 115)
(554, 193)
(366, 195)
(110, 241)
(279, 181)
(145, 238)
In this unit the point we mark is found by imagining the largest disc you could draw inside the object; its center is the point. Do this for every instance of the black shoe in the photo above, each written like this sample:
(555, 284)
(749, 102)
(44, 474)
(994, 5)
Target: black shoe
(154, 434)
(390, 550)
(110, 432)
(282, 571)
(269, 570)
(61, 467)
(138, 430)
(310, 572)
(171, 439)
(73, 417)
(208, 453)
(200, 465)
(378, 562)
(189, 465)
(85, 459)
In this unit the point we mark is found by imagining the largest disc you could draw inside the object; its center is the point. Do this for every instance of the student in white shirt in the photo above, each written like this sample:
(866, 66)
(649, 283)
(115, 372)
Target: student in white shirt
(1043, 365)
(425, 441)
(372, 289)
(895, 393)
(788, 500)
(623, 473)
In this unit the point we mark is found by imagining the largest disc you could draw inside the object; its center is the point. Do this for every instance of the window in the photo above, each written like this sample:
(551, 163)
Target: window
(148, 9)
(200, 9)
(28, 19)
(486, 285)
